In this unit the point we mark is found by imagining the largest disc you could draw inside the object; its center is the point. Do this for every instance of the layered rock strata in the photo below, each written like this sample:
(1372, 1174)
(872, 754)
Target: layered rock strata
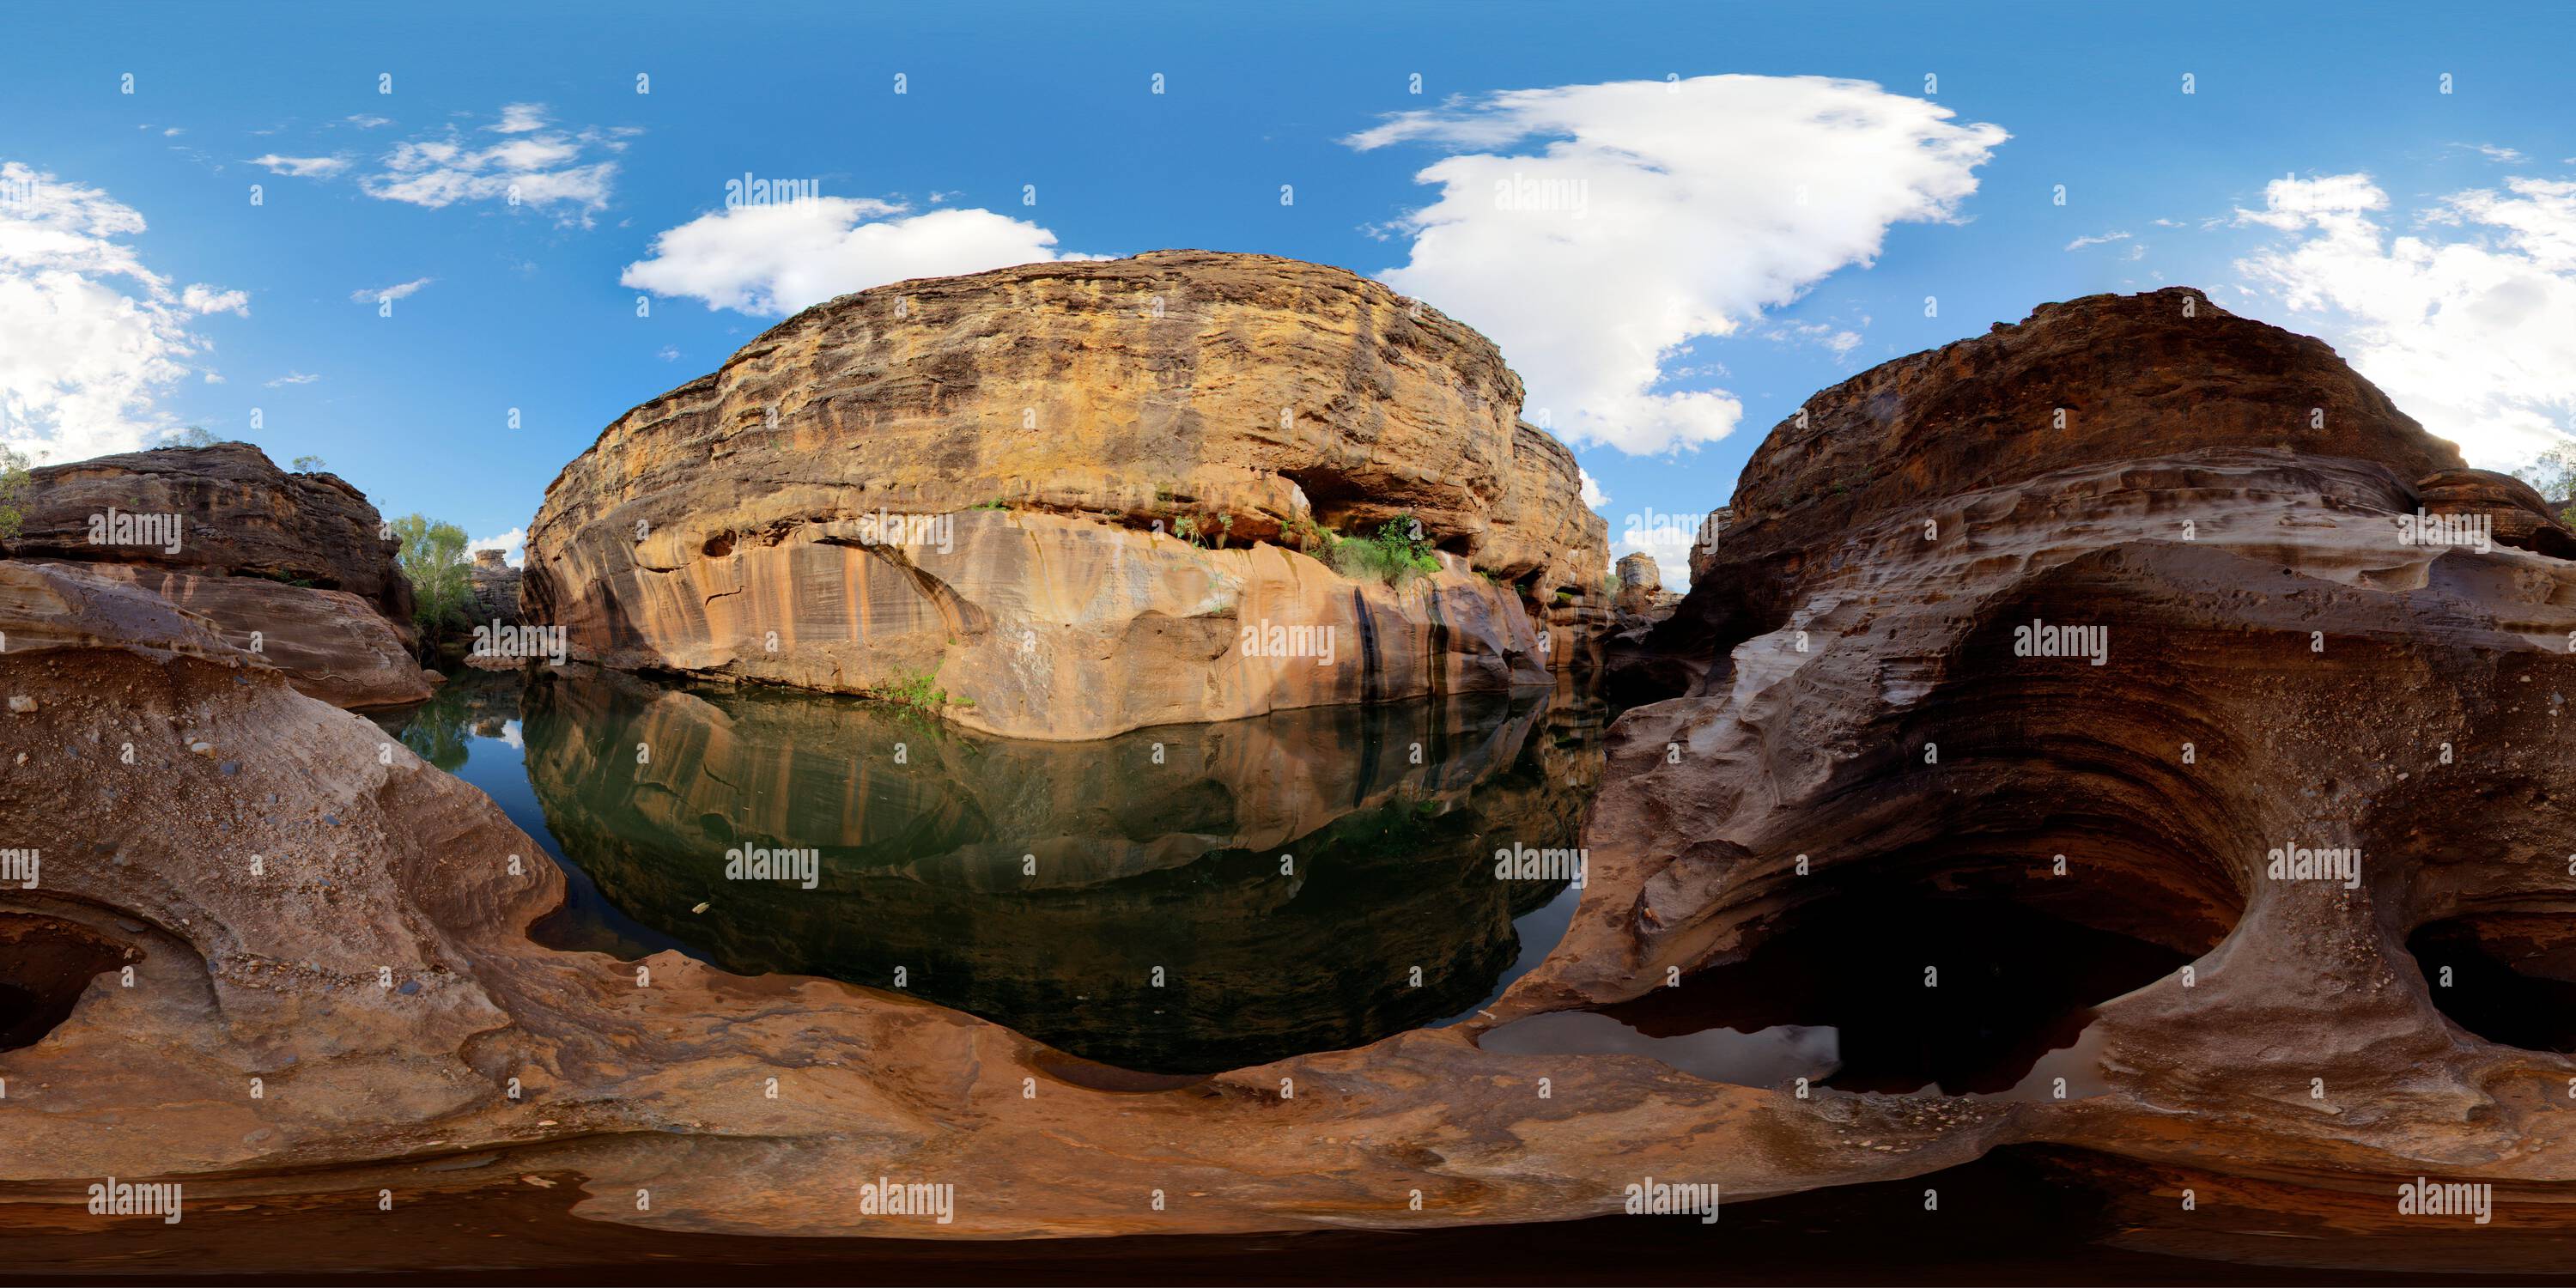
(1081, 498)
(291, 567)
(2131, 613)
(2278, 671)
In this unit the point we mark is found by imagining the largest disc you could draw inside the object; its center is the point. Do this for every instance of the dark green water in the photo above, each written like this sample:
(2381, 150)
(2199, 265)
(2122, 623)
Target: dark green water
(1178, 900)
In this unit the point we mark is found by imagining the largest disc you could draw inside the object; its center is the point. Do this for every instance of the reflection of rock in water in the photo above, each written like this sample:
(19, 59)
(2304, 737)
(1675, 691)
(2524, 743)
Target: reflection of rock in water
(1043, 885)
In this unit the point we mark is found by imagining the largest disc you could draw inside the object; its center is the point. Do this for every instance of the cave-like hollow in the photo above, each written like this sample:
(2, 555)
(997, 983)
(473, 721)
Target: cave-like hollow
(46, 963)
(2506, 975)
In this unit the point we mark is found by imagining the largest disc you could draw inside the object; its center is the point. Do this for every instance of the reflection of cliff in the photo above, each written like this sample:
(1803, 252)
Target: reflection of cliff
(1138, 864)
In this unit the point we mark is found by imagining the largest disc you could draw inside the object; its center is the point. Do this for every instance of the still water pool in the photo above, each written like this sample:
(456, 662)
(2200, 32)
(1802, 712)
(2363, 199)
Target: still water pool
(1178, 900)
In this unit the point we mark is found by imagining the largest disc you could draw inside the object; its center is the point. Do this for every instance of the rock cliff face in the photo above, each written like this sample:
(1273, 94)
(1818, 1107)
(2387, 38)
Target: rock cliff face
(2187, 666)
(1035, 489)
(290, 565)
(496, 588)
(2282, 666)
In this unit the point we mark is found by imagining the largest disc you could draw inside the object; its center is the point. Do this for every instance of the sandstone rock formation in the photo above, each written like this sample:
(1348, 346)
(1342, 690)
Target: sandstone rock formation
(291, 564)
(1639, 580)
(2278, 670)
(496, 588)
(2270, 663)
(1037, 489)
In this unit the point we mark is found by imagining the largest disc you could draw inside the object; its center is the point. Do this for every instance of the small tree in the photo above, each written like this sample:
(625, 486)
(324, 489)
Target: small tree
(2554, 476)
(432, 556)
(13, 489)
(194, 436)
(309, 465)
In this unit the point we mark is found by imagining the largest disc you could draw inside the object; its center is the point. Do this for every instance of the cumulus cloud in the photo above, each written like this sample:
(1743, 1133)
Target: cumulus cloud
(512, 544)
(89, 337)
(302, 167)
(2468, 320)
(776, 259)
(200, 298)
(380, 294)
(1593, 497)
(569, 172)
(1591, 230)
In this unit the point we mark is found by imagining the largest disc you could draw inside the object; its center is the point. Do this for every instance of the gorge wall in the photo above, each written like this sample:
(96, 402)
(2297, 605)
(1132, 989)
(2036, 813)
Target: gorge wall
(2163, 622)
(1078, 497)
(2283, 663)
(290, 567)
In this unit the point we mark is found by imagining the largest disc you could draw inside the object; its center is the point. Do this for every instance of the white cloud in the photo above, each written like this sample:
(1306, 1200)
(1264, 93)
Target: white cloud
(535, 164)
(512, 544)
(1837, 340)
(2469, 322)
(89, 337)
(200, 298)
(2499, 155)
(520, 118)
(293, 378)
(1640, 214)
(775, 259)
(1593, 497)
(2294, 203)
(302, 167)
(365, 122)
(380, 294)
(1667, 537)
(2103, 240)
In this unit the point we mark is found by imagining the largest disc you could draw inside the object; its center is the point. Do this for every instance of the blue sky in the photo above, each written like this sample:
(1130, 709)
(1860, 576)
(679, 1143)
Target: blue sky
(2316, 175)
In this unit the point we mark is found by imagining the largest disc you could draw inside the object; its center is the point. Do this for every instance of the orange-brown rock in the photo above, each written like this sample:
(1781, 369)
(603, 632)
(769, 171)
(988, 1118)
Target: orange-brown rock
(243, 517)
(2512, 510)
(2179, 669)
(2279, 669)
(331, 644)
(290, 566)
(1035, 488)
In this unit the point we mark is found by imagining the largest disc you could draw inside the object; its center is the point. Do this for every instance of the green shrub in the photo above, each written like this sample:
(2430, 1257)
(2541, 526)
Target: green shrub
(919, 692)
(1395, 555)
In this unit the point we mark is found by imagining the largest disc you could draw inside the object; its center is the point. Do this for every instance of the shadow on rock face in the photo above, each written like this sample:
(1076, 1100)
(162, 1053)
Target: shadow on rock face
(2507, 976)
(45, 966)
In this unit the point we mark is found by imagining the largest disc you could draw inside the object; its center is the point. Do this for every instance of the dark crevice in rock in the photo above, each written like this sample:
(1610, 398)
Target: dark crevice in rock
(45, 966)
(2506, 976)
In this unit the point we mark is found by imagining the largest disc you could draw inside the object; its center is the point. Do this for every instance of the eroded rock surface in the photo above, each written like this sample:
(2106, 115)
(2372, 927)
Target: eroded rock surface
(1034, 489)
(292, 564)
(2158, 668)
(496, 588)
(2277, 671)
